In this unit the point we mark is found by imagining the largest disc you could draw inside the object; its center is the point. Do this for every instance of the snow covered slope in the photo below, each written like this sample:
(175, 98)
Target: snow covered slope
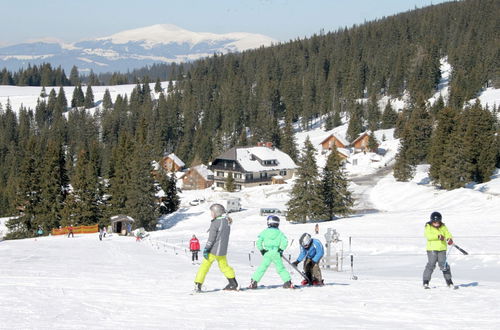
(81, 282)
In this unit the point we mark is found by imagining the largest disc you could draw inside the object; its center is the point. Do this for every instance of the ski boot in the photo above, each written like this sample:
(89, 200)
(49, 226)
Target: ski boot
(304, 282)
(318, 283)
(253, 285)
(288, 285)
(197, 287)
(233, 285)
(426, 285)
(450, 284)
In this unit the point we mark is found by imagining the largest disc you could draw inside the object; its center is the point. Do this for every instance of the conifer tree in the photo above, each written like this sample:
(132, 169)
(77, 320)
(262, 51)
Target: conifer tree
(337, 199)
(53, 186)
(288, 144)
(107, 103)
(171, 201)
(158, 88)
(230, 187)
(306, 202)
(78, 98)
(389, 117)
(404, 170)
(74, 77)
(89, 98)
(141, 201)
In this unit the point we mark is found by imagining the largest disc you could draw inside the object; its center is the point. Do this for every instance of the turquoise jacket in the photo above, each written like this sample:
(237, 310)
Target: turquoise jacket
(272, 239)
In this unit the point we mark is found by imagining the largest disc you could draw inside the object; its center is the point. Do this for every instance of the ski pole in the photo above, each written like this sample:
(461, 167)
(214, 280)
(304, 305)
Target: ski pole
(354, 277)
(460, 249)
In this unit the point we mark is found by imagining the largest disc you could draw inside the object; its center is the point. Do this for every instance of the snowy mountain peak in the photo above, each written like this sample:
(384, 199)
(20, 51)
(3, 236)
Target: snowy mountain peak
(169, 33)
(131, 49)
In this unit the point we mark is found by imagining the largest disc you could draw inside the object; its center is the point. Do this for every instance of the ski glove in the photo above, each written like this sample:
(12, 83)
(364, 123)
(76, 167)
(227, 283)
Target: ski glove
(450, 241)
(295, 263)
(441, 237)
(263, 251)
(205, 254)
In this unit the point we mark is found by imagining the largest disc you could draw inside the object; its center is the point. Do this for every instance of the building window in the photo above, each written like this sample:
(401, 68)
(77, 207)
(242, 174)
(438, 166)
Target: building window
(237, 175)
(220, 184)
(248, 177)
(238, 186)
(283, 173)
(220, 173)
(263, 175)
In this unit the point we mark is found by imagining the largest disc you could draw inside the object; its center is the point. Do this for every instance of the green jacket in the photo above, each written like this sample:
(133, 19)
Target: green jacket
(432, 233)
(272, 239)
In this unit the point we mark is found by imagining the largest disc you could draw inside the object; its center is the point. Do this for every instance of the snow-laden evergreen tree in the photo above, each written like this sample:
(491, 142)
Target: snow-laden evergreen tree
(306, 202)
(337, 199)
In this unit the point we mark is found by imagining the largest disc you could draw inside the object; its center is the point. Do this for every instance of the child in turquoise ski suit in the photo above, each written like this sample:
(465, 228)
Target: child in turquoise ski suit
(271, 244)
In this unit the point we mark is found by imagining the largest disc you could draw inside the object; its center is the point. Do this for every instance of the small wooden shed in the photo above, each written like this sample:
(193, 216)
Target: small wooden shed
(122, 224)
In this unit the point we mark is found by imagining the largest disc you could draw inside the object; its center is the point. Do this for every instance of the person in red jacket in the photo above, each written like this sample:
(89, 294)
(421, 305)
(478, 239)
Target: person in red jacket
(194, 247)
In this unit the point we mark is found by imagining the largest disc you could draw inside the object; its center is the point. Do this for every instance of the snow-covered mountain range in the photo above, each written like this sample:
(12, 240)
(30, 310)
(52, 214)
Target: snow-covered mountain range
(126, 50)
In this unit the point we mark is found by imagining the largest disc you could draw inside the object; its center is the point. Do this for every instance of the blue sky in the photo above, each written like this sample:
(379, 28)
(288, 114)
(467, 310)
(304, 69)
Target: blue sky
(74, 20)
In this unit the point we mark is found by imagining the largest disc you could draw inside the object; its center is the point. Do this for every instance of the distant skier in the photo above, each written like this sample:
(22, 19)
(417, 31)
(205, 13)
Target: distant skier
(216, 248)
(316, 229)
(312, 250)
(101, 233)
(194, 247)
(437, 236)
(271, 244)
(70, 231)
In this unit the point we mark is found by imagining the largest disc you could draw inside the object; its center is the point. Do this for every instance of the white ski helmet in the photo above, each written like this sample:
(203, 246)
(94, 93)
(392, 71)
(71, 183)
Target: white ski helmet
(217, 210)
(273, 221)
(305, 240)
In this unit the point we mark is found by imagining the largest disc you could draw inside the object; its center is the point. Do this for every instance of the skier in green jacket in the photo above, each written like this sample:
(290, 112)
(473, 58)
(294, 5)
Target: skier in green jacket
(271, 244)
(437, 236)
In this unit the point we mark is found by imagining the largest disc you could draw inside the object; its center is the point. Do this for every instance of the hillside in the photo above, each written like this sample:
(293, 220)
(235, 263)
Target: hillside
(81, 282)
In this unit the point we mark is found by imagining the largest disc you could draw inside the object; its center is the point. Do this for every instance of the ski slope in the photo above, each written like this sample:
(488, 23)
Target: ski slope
(118, 283)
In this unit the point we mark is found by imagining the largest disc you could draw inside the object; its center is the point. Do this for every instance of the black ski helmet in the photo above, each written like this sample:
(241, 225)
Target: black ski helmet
(218, 210)
(305, 240)
(273, 221)
(436, 217)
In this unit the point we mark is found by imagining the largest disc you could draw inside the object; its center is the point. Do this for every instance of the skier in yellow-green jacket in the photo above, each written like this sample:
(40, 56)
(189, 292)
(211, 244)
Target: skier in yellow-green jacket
(438, 237)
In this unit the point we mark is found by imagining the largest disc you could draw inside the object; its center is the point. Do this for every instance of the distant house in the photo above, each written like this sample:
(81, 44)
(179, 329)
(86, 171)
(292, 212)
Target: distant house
(333, 140)
(197, 177)
(172, 163)
(361, 142)
(252, 166)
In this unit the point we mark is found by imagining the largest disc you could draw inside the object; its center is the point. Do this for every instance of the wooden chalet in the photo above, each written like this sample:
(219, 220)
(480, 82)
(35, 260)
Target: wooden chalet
(172, 163)
(361, 142)
(197, 177)
(334, 140)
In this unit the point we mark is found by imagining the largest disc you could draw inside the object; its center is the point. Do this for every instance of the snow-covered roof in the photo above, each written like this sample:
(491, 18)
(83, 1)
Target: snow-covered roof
(344, 151)
(361, 135)
(338, 137)
(176, 160)
(203, 170)
(252, 164)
